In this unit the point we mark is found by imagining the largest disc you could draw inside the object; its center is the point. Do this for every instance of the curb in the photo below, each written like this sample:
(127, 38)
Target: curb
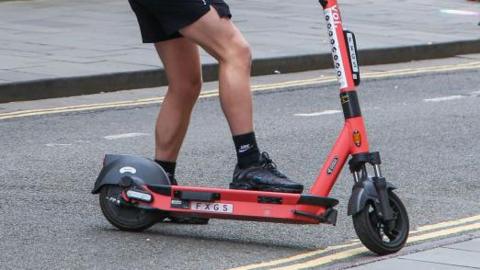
(83, 85)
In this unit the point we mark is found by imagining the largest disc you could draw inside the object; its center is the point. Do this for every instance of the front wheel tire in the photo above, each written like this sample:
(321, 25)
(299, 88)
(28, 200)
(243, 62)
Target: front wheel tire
(371, 229)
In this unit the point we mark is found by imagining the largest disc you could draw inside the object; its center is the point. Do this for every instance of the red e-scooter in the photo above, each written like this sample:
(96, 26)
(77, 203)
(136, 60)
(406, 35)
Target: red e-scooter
(136, 193)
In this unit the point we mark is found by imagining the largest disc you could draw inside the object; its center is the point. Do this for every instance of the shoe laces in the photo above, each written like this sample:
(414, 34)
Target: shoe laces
(270, 165)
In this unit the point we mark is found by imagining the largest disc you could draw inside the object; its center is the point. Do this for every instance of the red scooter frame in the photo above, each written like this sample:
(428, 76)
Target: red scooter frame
(145, 186)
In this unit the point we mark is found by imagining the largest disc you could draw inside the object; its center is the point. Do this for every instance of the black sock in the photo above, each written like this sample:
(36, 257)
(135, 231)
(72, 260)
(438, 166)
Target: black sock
(247, 149)
(168, 167)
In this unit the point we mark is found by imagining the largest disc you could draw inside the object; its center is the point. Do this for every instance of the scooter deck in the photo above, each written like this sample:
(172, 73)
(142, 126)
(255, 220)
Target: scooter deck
(242, 204)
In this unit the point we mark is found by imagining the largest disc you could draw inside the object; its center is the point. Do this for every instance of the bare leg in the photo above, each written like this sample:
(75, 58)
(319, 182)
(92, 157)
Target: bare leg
(181, 60)
(219, 37)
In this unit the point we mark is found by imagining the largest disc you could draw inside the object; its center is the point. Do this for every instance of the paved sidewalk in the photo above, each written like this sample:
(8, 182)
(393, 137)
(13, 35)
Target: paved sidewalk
(459, 256)
(56, 40)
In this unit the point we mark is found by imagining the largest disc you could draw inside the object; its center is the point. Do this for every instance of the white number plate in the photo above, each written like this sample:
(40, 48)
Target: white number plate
(212, 207)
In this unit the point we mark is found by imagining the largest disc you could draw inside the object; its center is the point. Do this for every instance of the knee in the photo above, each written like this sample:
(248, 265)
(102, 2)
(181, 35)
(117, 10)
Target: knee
(188, 88)
(239, 54)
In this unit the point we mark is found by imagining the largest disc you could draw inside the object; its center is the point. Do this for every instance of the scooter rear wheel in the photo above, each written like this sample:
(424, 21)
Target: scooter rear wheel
(123, 216)
(371, 229)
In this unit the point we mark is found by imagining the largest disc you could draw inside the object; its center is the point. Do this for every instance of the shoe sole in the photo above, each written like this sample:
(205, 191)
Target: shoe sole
(244, 186)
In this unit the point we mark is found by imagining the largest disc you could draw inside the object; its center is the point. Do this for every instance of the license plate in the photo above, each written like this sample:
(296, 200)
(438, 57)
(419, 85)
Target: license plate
(212, 207)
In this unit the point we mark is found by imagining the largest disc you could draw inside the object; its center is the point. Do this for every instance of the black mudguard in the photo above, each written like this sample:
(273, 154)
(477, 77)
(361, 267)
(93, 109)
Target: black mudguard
(363, 192)
(117, 168)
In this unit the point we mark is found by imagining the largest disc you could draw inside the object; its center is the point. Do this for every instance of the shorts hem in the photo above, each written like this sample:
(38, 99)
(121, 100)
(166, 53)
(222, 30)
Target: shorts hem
(156, 29)
(174, 33)
(186, 23)
(156, 40)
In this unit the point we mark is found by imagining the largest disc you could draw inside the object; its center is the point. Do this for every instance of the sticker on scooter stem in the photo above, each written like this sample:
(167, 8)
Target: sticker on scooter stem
(332, 16)
(332, 166)
(357, 138)
(344, 98)
(212, 207)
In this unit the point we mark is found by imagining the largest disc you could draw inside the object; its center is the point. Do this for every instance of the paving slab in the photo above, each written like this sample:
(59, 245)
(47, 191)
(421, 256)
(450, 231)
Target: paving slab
(447, 256)
(401, 264)
(472, 245)
(11, 76)
(463, 255)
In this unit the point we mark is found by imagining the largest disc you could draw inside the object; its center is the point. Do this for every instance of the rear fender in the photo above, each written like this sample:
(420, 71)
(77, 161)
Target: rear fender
(117, 169)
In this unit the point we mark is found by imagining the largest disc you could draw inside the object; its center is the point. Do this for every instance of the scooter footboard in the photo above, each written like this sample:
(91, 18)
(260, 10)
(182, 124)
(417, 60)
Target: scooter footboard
(238, 204)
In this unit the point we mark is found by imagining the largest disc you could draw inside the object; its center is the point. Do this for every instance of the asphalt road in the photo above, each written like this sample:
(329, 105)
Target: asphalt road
(48, 219)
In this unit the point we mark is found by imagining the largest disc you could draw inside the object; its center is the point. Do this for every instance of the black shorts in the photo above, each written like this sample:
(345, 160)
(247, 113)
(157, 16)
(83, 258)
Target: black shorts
(160, 20)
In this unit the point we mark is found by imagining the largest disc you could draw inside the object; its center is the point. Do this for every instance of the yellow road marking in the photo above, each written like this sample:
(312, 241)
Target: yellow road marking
(448, 224)
(422, 233)
(85, 106)
(294, 258)
(326, 259)
(255, 88)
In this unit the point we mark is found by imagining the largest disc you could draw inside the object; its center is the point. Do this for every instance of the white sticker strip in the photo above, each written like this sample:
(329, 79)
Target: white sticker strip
(124, 136)
(332, 17)
(353, 56)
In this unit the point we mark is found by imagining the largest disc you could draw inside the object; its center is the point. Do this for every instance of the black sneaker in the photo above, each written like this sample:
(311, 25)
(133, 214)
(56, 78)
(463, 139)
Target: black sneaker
(184, 220)
(263, 176)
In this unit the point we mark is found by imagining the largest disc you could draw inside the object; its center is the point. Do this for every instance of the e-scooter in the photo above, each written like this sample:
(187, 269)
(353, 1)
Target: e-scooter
(135, 192)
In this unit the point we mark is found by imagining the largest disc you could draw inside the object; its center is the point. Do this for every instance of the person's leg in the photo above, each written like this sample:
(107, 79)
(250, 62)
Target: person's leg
(219, 37)
(181, 60)
(232, 52)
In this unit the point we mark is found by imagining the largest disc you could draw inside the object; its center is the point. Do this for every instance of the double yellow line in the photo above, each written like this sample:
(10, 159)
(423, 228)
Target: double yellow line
(333, 254)
(255, 88)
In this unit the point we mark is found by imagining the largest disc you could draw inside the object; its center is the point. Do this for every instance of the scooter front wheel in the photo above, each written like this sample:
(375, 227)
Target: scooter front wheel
(373, 232)
(122, 215)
